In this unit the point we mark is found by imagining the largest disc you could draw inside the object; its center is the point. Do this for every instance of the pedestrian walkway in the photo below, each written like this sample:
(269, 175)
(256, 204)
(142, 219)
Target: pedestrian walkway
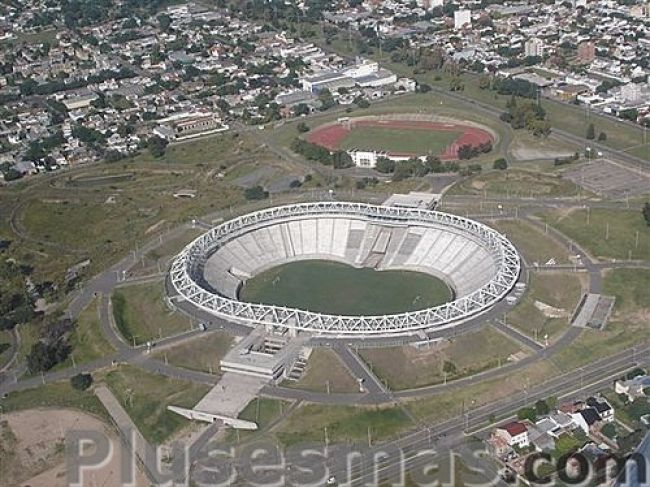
(133, 440)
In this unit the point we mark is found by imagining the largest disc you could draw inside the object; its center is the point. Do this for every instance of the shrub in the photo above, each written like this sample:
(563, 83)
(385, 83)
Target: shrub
(500, 164)
(81, 382)
(256, 193)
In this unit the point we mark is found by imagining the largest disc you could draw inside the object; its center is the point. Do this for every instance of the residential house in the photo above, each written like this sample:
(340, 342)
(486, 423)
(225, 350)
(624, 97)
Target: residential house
(633, 388)
(587, 419)
(604, 409)
(515, 434)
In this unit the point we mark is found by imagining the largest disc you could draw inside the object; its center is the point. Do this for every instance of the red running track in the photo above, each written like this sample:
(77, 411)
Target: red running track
(330, 136)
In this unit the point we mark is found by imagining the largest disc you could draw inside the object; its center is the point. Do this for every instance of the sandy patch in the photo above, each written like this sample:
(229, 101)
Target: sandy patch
(38, 454)
(550, 311)
(154, 227)
(480, 185)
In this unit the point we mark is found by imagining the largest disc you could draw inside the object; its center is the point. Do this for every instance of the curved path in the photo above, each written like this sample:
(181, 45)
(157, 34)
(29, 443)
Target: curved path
(103, 284)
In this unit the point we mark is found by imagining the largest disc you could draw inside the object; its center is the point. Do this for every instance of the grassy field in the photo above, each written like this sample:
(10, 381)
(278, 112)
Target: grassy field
(202, 354)
(141, 314)
(610, 234)
(407, 367)
(262, 411)
(399, 140)
(55, 395)
(413, 103)
(146, 396)
(104, 211)
(5, 347)
(440, 407)
(323, 367)
(159, 258)
(341, 289)
(629, 324)
(560, 290)
(531, 242)
(343, 423)
(516, 183)
(87, 341)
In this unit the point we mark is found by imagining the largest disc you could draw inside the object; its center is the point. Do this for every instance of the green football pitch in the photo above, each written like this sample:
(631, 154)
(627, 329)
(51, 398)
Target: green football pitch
(412, 141)
(335, 288)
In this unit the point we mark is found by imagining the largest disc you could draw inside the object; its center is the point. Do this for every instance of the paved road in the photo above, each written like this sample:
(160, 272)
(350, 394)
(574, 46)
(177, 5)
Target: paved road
(518, 336)
(560, 134)
(452, 434)
(358, 368)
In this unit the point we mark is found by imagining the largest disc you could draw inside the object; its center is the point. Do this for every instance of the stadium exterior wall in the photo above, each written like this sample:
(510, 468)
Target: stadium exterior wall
(186, 275)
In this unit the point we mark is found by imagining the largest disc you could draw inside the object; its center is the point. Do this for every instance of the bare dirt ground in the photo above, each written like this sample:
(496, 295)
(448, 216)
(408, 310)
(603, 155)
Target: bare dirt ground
(32, 451)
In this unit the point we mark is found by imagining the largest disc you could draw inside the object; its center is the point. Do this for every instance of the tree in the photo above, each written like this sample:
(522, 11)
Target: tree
(456, 84)
(449, 367)
(591, 132)
(646, 213)
(256, 193)
(542, 408)
(402, 171)
(385, 165)
(156, 146)
(361, 102)
(301, 109)
(602, 137)
(500, 164)
(302, 127)
(43, 356)
(164, 21)
(81, 381)
(326, 99)
(527, 413)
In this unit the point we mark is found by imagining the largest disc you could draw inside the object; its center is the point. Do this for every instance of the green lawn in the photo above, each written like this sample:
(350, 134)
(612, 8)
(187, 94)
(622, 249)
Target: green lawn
(531, 242)
(337, 288)
(262, 411)
(203, 353)
(399, 140)
(343, 423)
(516, 183)
(5, 347)
(560, 290)
(141, 314)
(407, 367)
(610, 234)
(55, 395)
(146, 396)
(322, 368)
(159, 258)
(87, 341)
(628, 325)
(439, 407)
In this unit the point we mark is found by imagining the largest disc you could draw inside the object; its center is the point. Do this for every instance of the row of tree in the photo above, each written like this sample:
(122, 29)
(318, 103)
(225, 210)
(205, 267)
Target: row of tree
(468, 151)
(314, 152)
(528, 115)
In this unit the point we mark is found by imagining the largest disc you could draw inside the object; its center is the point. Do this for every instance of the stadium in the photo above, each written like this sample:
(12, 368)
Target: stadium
(476, 262)
(402, 136)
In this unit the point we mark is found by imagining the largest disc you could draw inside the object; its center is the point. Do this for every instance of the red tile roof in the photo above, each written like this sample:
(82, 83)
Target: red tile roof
(515, 428)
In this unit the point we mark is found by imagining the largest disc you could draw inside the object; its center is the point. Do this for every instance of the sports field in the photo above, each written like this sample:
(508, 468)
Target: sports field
(335, 288)
(400, 137)
(399, 141)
